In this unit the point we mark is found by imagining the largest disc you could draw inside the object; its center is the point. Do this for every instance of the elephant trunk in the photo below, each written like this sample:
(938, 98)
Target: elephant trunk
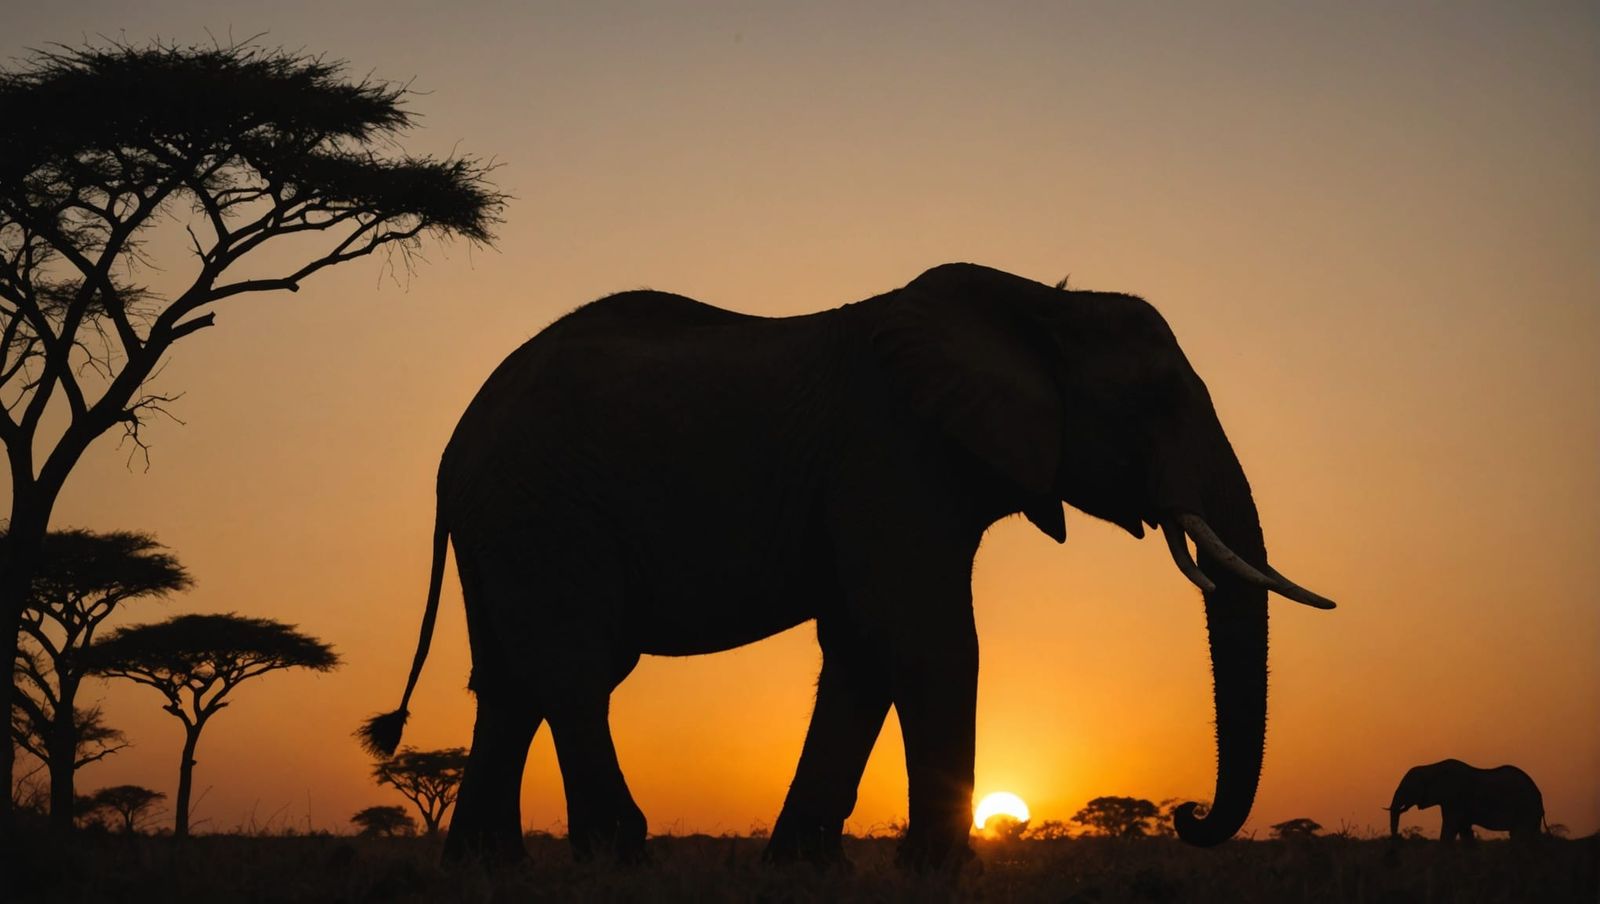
(1236, 621)
(1402, 802)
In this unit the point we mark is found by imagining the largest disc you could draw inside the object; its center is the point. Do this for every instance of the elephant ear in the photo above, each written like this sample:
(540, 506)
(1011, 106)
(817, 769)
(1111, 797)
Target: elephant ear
(965, 363)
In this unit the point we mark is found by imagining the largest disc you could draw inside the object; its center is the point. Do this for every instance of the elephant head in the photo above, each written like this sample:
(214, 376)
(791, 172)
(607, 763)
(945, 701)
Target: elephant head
(1086, 398)
(1426, 786)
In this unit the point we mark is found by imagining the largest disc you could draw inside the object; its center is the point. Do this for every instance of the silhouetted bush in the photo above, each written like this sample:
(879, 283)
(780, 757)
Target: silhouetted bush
(385, 821)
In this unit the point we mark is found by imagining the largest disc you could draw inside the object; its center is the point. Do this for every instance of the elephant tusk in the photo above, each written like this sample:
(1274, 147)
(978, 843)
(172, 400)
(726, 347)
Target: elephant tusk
(1207, 539)
(1179, 547)
(1293, 591)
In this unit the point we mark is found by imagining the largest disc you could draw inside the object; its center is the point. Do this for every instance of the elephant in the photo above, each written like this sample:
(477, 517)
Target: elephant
(1503, 798)
(653, 475)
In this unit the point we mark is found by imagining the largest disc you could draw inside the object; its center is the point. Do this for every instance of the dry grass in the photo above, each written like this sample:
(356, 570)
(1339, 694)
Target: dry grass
(237, 868)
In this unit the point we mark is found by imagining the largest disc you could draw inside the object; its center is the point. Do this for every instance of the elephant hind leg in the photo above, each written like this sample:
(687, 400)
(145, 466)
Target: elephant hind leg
(601, 813)
(488, 816)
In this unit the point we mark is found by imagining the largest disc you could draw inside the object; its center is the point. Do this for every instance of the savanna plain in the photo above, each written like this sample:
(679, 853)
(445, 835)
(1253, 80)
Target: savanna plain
(294, 868)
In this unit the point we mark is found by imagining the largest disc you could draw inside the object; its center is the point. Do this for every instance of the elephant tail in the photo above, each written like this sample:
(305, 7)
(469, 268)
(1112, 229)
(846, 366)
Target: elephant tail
(380, 735)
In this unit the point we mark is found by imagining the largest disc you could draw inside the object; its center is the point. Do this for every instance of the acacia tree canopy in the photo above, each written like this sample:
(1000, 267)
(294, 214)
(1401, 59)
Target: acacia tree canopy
(133, 803)
(195, 661)
(1117, 817)
(205, 656)
(429, 779)
(244, 149)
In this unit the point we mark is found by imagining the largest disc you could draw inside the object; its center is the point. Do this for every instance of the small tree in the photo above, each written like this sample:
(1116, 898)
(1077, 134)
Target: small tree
(195, 661)
(1048, 830)
(1165, 824)
(1005, 827)
(1117, 817)
(80, 579)
(241, 153)
(1300, 827)
(385, 822)
(427, 778)
(133, 804)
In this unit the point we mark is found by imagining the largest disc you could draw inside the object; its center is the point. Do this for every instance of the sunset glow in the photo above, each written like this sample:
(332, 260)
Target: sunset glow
(1000, 803)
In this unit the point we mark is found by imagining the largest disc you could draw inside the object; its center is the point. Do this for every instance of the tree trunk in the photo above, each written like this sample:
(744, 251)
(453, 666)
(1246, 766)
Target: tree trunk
(8, 750)
(19, 555)
(430, 819)
(61, 748)
(191, 737)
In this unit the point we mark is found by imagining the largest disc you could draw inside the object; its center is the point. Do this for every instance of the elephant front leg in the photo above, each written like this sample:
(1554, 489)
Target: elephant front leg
(1453, 825)
(852, 701)
(935, 691)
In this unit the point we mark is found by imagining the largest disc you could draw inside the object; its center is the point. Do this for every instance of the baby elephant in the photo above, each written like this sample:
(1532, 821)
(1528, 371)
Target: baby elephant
(1503, 799)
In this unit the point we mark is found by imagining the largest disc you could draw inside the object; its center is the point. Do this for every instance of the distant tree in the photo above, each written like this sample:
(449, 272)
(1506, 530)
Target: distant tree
(1005, 827)
(235, 149)
(80, 579)
(1300, 827)
(427, 778)
(1048, 830)
(87, 815)
(132, 804)
(1117, 817)
(1162, 825)
(203, 658)
(385, 821)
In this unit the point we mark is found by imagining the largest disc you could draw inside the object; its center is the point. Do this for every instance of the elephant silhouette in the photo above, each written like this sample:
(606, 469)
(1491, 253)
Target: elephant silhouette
(653, 475)
(1503, 799)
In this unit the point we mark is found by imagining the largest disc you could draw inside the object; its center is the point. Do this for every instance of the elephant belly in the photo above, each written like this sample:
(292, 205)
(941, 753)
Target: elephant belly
(720, 613)
(692, 637)
(1494, 819)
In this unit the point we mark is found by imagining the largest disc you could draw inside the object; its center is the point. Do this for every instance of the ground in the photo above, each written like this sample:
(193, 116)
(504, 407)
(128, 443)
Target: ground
(326, 868)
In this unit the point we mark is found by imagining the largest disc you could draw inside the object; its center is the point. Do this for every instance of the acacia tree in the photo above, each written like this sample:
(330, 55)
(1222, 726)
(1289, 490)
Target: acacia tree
(1117, 817)
(195, 661)
(134, 804)
(80, 579)
(427, 778)
(1300, 827)
(385, 821)
(247, 149)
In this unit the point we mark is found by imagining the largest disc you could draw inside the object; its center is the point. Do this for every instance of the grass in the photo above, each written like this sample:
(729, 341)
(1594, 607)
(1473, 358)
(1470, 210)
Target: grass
(327, 868)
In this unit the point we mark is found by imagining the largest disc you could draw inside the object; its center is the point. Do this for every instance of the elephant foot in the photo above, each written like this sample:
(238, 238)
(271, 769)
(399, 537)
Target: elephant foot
(817, 845)
(619, 840)
(929, 853)
(493, 850)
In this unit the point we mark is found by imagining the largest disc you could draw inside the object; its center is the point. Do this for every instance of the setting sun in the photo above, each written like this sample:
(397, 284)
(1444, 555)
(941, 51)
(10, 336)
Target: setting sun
(1000, 803)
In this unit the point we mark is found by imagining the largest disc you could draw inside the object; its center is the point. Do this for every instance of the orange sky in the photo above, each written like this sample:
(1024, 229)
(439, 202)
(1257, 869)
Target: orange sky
(1374, 230)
